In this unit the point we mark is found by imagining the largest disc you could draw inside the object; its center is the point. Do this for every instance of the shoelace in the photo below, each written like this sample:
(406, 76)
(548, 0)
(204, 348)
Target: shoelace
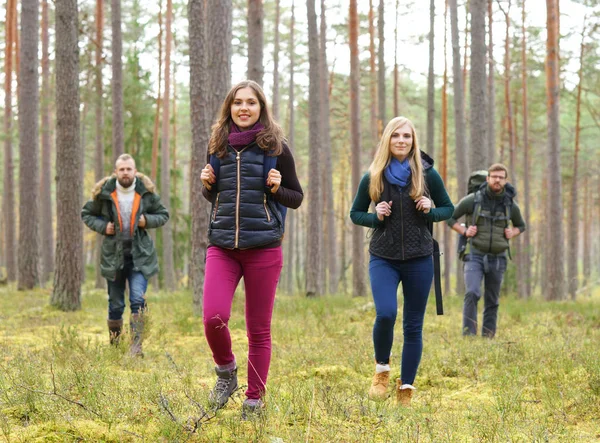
(222, 385)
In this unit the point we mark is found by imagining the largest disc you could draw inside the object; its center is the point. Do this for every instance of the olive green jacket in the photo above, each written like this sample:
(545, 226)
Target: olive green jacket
(104, 208)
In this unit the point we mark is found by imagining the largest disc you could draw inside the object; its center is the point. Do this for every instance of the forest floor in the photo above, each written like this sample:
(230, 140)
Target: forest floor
(538, 380)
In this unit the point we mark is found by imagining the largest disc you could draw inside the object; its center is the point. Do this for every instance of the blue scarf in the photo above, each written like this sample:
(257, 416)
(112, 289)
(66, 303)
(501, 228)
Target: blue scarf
(397, 172)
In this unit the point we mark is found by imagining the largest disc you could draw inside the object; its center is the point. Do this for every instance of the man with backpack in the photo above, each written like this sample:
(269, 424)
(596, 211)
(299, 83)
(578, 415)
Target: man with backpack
(489, 209)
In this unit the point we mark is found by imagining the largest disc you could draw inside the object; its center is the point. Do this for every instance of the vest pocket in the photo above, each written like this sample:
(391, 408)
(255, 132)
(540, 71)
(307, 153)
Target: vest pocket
(216, 207)
(266, 208)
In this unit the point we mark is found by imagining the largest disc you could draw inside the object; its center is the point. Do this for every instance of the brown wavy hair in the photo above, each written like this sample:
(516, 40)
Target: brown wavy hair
(270, 139)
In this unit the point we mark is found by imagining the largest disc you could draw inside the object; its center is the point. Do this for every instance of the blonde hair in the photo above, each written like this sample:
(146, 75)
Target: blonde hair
(124, 158)
(383, 156)
(271, 138)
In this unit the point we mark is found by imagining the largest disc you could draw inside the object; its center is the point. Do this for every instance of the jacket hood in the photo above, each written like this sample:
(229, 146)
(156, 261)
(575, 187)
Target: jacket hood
(426, 161)
(109, 183)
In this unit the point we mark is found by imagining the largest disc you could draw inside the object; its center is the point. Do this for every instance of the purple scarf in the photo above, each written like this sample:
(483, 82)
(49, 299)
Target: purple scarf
(239, 139)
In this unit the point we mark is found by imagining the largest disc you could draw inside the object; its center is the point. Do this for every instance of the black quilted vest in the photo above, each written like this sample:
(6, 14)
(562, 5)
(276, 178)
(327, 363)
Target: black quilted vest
(405, 233)
(243, 214)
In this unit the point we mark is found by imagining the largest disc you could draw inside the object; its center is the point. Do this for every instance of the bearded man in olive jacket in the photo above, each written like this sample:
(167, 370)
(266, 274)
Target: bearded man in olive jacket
(123, 207)
(497, 220)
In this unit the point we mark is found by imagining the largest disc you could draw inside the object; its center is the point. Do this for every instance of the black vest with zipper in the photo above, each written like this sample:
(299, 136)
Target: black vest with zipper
(405, 233)
(243, 214)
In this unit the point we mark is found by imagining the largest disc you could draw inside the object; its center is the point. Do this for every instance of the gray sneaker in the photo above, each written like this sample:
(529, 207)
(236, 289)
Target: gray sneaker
(226, 384)
(252, 408)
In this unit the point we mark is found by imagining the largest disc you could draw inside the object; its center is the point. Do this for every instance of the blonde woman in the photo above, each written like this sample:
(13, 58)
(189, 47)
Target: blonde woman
(403, 184)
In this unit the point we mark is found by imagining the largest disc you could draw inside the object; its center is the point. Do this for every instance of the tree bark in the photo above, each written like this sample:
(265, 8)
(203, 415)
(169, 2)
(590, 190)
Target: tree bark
(396, 98)
(526, 252)
(381, 69)
(431, 84)
(491, 88)
(67, 277)
(358, 272)
(165, 170)
(555, 243)
(315, 209)
(256, 69)
(10, 242)
(200, 121)
(155, 136)
(444, 168)
(219, 34)
(328, 201)
(117, 81)
(291, 221)
(372, 77)
(573, 240)
(46, 180)
(99, 111)
(477, 87)
(29, 178)
(275, 107)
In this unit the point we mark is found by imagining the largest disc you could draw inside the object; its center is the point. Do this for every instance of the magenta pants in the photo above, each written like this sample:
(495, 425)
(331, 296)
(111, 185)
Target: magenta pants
(224, 269)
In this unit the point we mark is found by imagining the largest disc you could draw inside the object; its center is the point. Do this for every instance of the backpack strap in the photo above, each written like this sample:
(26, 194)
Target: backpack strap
(270, 162)
(216, 165)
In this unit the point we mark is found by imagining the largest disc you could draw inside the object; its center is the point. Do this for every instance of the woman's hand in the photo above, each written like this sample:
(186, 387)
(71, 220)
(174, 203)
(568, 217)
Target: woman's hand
(274, 180)
(208, 176)
(423, 204)
(383, 209)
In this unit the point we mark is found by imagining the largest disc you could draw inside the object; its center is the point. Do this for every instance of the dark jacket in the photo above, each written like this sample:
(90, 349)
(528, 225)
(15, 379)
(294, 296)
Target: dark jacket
(104, 208)
(405, 234)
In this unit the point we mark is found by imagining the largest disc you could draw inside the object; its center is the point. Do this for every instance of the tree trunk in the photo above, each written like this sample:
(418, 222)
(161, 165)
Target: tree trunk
(256, 69)
(200, 120)
(99, 154)
(155, 136)
(219, 36)
(372, 76)
(67, 277)
(491, 89)
(178, 252)
(573, 240)
(46, 180)
(315, 209)
(292, 229)
(29, 178)
(165, 170)
(555, 242)
(328, 201)
(461, 148)
(588, 224)
(381, 69)
(275, 107)
(10, 242)
(396, 98)
(358, 261)
(117, 81)
(444, 169)
(477, 87)
(526, 252)
(431, 84)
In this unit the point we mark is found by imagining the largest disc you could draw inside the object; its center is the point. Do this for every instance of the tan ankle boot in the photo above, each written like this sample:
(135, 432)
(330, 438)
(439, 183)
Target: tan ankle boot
(404, 393)
(379, 386)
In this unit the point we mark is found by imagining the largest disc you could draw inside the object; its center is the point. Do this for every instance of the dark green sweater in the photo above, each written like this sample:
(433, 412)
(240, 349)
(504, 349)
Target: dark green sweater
(360, 215)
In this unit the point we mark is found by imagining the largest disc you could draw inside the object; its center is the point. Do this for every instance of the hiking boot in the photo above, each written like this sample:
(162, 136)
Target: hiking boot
(252, 408)
(379, 386)
(404, 393)
(114, 330)
(226, 384)
(137, 332)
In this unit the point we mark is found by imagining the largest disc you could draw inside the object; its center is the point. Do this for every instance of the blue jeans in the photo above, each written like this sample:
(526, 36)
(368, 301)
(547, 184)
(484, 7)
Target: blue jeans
(416, 276)
(116, 292)
(489, 268)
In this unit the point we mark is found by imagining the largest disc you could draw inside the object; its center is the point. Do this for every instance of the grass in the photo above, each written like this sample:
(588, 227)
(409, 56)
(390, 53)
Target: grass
(538, 381)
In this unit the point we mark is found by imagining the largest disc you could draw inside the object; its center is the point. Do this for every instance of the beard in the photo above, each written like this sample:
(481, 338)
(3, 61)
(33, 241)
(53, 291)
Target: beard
(126, 182)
